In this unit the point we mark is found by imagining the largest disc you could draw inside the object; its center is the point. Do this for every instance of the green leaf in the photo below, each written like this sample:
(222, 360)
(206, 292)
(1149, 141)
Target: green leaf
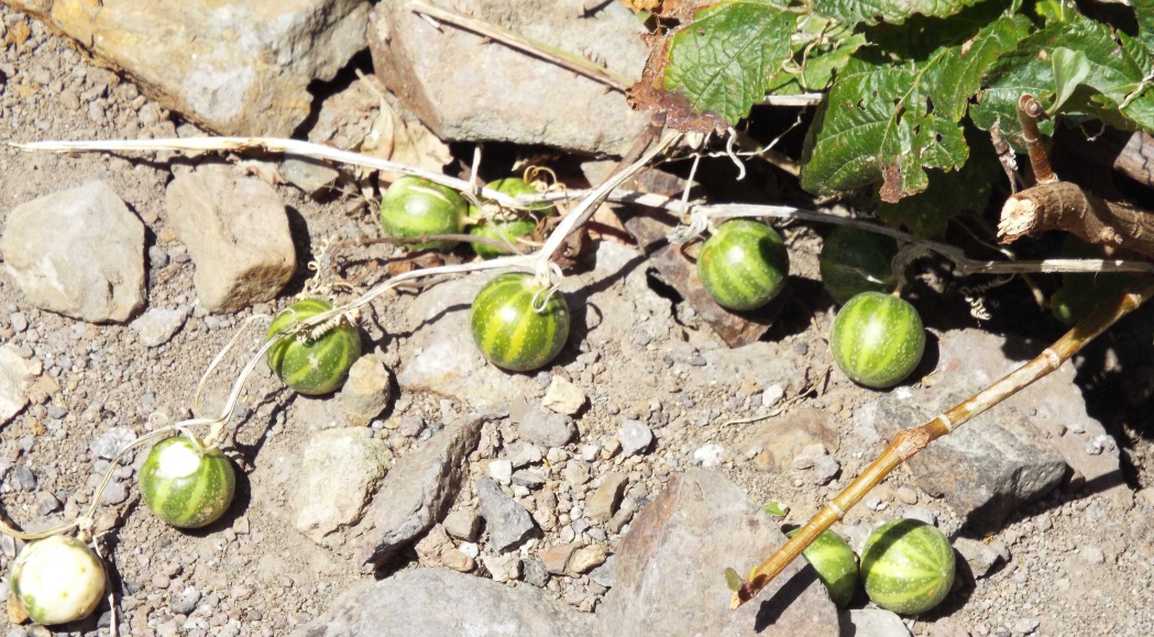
(814, 71)
(732, 580)
(888, 122)
(722, 61)
(1144, 13)
(891, 11)
(776, 509)
(1112, 63)
(927, 214)
(1071, 68)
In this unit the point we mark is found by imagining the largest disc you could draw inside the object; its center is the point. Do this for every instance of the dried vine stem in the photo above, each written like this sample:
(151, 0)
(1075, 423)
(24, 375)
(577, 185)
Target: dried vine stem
(909, 442)
(551, 54)
(294, 147)
(1061, 205)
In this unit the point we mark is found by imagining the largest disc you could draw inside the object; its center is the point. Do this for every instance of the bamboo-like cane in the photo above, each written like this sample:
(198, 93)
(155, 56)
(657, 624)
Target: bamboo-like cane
(910, 441)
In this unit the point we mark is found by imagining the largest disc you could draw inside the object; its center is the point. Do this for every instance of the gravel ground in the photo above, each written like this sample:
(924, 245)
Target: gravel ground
(1079, 563)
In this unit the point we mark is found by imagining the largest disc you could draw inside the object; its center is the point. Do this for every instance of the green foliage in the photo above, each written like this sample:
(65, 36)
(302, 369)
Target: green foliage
(723, 60)
(892, 11)
(912, 85)
(1055, 62)
(886, 122)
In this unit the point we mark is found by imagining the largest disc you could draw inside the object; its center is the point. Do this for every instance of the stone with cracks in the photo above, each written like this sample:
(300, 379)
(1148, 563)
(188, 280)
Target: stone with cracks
(507, 522)
(77, 252)
(237, 232)
(1014, 453)
(16, 375)
(468, 88)
(441, 602)
(418, 491)
(238, 67)
(669, 569)
(158, 325)
(325, 500)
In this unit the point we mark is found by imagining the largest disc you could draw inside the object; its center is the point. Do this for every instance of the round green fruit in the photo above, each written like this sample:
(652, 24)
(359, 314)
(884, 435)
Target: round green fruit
(878, 339)
(743, 265)
(854, 261)
(185, 485)
(908, 566)
(312, 367)
(836, 566)
(58, 580)
(509, 229)
(510, 331)
(415, 207)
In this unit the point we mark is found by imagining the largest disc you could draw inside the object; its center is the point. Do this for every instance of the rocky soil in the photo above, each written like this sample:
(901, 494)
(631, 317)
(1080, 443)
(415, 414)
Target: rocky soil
(438, 495)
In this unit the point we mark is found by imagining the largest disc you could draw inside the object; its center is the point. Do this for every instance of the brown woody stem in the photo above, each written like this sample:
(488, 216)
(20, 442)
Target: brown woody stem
(909, 442)
(1030, 110)
(1066, 206)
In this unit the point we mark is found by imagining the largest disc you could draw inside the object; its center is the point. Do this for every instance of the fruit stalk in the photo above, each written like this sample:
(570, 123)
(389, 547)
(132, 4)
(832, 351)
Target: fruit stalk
(909, 442)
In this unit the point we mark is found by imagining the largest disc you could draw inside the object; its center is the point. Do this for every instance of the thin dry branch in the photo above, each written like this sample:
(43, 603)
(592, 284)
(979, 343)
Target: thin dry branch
(909, 442)
(550, 54)
(1066, 206)
(618, 195)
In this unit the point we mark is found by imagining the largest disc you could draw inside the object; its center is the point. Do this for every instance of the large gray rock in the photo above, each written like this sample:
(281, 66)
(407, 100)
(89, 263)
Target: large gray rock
(427, 602)
(669, 569)
(418, 491)
(1016, 452)
(235, 66)
(78, 252)
(467, 88)
(507, 522)
(237, 232)
(339, 471)
(16, 374)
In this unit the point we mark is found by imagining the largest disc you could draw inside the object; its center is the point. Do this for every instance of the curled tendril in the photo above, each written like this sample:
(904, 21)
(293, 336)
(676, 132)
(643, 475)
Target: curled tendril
(699, 223)
(549, 276)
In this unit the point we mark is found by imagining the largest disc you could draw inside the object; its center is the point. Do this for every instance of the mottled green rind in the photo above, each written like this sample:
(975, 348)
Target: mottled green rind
(508, 229)
(509, 332)
(193, 501)
(854, 261)
(38, 612)
(907, 566)
(415, 207)
(836, 566)
(743, 265)
(315, 367)
(877, 340)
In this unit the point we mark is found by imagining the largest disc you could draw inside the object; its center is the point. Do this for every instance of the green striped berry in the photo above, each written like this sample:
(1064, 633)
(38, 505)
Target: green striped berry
(878, 339)
(58, 580)
(186, 485)
(854, 261)
(518, 324)
(908, 566)
(312, 367)
(415, 207)
(836, 566)
(506, 231)
(520, 224)
(743, 265)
